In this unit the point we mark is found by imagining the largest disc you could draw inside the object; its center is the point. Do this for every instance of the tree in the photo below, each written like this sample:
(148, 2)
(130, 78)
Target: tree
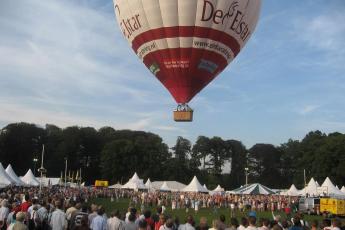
(238, 163)
(264, 164)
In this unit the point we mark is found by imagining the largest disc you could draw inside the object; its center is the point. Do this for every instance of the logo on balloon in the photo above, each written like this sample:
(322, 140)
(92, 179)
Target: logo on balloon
(154, 68)
(232, 15)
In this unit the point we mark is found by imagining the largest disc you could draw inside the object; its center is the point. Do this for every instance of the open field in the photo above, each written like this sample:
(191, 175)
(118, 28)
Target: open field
(210, 214)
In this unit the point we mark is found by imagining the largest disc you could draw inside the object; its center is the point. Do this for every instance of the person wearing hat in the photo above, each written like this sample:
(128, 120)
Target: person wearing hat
(19, 225)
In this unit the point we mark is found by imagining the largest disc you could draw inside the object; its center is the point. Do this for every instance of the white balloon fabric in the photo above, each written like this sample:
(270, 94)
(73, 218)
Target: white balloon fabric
(187, 43)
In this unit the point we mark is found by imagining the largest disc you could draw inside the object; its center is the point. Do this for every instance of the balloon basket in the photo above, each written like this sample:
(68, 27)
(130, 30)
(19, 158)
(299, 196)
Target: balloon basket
(183, 113)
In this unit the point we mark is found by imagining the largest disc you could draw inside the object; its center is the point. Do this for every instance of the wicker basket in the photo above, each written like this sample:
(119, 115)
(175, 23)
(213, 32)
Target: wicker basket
(183, 116)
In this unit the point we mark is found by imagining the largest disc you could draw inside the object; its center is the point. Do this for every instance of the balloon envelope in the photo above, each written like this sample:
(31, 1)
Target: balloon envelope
(187, 43)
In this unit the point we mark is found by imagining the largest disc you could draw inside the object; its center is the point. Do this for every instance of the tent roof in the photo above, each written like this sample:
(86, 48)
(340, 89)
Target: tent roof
(218, 189)
(343, 189)
(205, 187)
(47, 181)
(165, 187)
(29, 179)
(311, 188)
(173, 185)
(331, 189)
(194, 186)
(293, 191)
(115, 186)
(10, 172)
(254, 189)
(5, 179)
(134, 183)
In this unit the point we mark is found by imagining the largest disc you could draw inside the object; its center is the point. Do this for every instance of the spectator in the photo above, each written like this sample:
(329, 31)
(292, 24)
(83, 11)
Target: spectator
(58, 218)
(99, 222)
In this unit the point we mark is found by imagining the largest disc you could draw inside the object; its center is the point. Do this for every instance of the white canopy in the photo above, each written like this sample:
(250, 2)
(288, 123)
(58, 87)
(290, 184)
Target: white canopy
(205, 187)
(5, 179)
(194, 186)
(311, 188)
(218, 189)
(118, 186)
(49, 181)
(330, 188)
(293, 191)
(174, 185)
(134, 183)
(10, 172)
(149, 185)
(165, 187)
(29, 179)
(343, 189)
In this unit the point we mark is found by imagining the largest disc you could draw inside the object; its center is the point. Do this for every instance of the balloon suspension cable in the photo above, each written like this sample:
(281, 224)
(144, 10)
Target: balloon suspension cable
(183, 107)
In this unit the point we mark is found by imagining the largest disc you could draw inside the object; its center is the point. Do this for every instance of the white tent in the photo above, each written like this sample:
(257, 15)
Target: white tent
(254, 189)
(218, 189)
(165, 187)
(317, 183)
(116, 186)
(293, 191)
(49, 181)
(310, 189)
(134, 183)
(5, 179)
(29, 179)
(10, 172)
(330, 189)
(149, 185)
(205, 187)
(194, 186)
(174, 185)
(343, 189)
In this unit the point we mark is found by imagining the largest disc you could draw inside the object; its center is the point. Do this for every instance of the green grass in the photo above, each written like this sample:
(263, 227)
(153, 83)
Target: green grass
(210, 214)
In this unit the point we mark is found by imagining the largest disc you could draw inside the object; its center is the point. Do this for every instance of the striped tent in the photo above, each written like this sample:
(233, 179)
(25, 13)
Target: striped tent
(254, 189)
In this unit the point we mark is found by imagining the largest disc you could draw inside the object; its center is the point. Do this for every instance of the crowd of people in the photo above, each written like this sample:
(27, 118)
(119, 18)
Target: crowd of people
(60, 208)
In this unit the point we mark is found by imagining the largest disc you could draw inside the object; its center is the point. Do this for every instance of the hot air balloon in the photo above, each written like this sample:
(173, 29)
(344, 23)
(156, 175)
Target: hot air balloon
(186, 43)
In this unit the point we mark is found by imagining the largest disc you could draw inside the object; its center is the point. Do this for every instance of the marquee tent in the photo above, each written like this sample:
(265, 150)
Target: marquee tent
(5, 179)
(218, 189)
(29, 179)
(134, 183)
(330, 189)
(165, 187)
(205, 187)
(149, 185)
(343, 189)
(10, 172)
(194, 186)
(293, 191)
(254, 189)
(174, 185)
(49, 181)
(117, 186)
(310, 189)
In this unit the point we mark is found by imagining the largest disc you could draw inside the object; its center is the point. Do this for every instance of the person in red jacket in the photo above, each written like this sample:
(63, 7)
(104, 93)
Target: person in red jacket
(26, 204)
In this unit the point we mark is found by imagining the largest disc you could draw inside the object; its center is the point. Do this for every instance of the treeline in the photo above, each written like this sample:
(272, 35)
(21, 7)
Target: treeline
(116, 154)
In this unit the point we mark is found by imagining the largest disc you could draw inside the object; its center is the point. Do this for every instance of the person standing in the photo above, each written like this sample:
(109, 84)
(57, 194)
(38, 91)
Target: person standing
(58, 218)
(115, 223)
(19, 225)
(99, 222)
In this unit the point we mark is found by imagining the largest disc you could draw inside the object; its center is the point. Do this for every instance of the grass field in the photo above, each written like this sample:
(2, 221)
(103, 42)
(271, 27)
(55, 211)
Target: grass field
(210, 214)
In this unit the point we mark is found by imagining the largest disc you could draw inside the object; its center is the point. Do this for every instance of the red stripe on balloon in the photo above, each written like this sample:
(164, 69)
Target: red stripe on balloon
(186, 84)
(186, 31)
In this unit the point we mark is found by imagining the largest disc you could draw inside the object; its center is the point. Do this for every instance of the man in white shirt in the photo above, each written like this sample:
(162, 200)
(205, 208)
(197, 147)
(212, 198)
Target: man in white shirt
(114, 223)
(188, 225)
(58, 218)
(4, 211)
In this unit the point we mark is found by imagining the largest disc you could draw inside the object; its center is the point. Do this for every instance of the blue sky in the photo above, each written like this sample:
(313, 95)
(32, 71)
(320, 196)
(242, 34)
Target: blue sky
(66, 63)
